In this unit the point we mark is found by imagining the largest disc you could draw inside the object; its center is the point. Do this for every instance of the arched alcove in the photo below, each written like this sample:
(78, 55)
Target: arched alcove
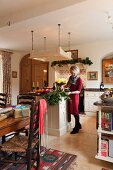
(107, 69)
(25, 74)
(108, 56)
(32, 72)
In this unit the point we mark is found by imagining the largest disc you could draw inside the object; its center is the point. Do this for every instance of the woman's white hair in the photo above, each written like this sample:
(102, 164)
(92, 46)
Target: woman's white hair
(75, 68)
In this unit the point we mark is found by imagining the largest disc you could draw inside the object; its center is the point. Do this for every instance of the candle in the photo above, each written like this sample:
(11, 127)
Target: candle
(37, 84)
(37, 87)
(33, 84)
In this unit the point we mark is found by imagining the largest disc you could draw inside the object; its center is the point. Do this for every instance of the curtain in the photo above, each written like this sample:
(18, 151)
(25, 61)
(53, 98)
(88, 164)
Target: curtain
(6, 65)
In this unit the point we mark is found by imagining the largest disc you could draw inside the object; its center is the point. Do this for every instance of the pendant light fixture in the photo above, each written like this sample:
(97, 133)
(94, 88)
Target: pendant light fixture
(53, 54)
(59, 53)
(69, 41)
(32, 32)
(34, 54)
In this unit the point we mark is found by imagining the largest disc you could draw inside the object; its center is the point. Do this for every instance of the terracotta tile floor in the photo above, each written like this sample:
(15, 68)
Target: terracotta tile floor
(82, 144)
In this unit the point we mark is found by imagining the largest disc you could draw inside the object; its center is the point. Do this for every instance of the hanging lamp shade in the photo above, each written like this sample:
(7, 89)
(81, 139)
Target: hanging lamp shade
(33, 54)
(51, 55)
(54, 54)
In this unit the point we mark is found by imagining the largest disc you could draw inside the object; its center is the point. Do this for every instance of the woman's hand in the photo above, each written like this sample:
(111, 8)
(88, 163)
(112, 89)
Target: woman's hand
(68, 93)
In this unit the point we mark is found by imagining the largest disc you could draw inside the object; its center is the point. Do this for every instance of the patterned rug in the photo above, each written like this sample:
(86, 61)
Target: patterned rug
(50, 160)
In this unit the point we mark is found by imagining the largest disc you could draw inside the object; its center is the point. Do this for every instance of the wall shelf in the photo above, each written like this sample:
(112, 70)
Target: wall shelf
(109, 159)
(106, 132)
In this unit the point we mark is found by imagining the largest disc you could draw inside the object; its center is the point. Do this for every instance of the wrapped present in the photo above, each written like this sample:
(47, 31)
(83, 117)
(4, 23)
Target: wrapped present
(21, 111)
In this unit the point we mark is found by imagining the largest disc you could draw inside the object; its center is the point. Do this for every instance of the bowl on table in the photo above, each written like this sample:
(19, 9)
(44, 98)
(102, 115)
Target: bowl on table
(106, 99)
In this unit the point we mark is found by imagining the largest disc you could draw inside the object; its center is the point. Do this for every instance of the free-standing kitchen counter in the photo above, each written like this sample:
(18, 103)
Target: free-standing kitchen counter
(57, 118)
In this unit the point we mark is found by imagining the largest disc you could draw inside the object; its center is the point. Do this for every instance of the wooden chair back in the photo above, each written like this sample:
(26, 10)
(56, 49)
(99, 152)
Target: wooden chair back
(3, 100)
(25, 99)
(34, 137)
(34, 123)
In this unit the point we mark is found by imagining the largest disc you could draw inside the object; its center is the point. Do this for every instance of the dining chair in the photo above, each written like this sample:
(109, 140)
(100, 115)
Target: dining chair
(25, 99)
(3, 100)
(21, 146)
(3, 104)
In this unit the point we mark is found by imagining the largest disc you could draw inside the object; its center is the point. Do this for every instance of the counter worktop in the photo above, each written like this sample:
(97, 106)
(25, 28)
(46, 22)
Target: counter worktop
(93, 89)
(101, 103)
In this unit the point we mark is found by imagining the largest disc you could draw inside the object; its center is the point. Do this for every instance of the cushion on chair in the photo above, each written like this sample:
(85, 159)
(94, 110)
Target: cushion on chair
(18, 143)
(3, 100)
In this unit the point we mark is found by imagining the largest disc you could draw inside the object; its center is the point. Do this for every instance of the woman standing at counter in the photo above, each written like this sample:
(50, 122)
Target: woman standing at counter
(75, 86)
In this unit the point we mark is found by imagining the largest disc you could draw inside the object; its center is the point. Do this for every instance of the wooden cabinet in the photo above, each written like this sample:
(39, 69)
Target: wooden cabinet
(40, 73)
(89, 98)
(32, 71)
(107, 71)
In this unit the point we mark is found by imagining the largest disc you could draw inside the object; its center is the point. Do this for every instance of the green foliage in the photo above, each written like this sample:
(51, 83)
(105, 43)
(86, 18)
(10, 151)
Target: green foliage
(55, 97)
(60, 63)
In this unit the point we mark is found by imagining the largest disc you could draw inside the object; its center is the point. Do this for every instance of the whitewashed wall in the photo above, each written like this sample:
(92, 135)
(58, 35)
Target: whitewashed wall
(15, 61)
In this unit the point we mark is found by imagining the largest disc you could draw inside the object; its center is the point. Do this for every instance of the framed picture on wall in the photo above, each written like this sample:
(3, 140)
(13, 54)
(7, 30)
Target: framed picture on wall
(92, 75)
(14, 74)
(74, 54)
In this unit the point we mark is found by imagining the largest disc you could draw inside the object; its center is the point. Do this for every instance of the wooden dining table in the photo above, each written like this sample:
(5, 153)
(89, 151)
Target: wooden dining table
(11, 124)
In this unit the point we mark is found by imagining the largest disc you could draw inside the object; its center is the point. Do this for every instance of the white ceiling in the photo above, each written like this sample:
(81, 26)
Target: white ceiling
(87, 20)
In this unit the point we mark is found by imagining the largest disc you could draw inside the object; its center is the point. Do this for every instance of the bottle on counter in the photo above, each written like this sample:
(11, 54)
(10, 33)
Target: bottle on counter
(33, 86)
(101, 86)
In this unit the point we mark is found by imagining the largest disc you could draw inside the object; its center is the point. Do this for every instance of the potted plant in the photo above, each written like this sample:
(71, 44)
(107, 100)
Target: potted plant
(55, 97)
